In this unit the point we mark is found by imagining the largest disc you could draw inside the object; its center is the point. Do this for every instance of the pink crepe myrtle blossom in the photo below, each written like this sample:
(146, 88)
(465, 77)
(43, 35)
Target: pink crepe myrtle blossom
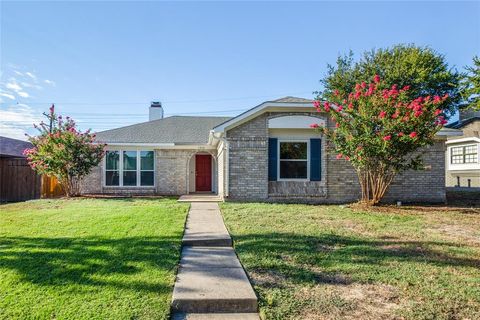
(314, 125)
(62, 151)
(378, 123)
(326, 106)
(370, 90)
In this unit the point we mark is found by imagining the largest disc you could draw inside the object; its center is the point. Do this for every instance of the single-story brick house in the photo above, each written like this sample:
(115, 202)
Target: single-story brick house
(268, 153)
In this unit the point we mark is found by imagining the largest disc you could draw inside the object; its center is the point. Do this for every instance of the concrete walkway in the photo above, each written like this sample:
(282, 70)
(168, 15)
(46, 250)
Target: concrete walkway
(211, 283)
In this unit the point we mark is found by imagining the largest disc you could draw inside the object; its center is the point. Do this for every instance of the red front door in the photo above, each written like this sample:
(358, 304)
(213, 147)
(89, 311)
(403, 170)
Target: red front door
(203, 172)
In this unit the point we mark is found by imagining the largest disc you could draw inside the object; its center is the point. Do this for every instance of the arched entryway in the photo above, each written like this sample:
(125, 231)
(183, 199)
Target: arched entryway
(202, 173)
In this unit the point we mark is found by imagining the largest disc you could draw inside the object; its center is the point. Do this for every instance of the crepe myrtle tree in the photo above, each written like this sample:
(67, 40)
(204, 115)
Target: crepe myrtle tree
(378, 128)
(64, 152)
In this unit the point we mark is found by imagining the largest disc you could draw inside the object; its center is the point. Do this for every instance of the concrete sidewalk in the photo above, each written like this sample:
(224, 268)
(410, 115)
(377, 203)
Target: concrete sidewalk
(211, 283)
(205, 226)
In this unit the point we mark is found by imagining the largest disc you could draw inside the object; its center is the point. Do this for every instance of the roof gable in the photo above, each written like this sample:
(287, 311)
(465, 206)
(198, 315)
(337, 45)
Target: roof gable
(281, 104)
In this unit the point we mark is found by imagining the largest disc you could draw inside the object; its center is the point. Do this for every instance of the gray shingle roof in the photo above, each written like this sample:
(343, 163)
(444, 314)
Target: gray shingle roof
(12, 147)
(461, 123)
(290, 99)
(176, 129)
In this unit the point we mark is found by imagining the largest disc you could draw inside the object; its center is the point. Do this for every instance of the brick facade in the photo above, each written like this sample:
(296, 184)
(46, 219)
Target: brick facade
(171, 175)
(241, 172)
(248, 172)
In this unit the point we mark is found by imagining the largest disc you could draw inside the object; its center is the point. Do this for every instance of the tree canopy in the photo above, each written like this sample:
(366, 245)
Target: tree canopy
(471, 85)
(378, 128)
(64, 152)
(423, 69)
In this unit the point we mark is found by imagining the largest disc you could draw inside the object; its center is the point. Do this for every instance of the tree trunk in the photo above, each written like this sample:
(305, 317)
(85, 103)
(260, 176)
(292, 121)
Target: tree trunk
(374, 183)
(71, 186)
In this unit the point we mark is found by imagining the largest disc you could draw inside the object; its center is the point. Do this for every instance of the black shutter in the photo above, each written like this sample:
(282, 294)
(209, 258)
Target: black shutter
(315, 159)
(272, 159)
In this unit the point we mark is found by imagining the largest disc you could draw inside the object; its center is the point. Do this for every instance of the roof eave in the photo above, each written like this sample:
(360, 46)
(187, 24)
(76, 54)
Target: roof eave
(467, 139)
(261, 108)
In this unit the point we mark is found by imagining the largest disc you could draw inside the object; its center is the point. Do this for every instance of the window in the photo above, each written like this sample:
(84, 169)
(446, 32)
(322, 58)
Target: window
(146, 168)
(129, 168)
(464, 154)
(293, 160)
(112, 168)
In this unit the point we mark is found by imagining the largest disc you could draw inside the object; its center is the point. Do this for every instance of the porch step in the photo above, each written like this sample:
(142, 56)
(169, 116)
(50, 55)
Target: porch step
(212, 280)
(200, 198)
(205, 227)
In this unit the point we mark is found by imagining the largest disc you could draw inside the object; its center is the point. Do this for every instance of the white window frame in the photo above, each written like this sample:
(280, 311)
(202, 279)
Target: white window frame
(463, 154)
(138, 170)
(279, 141)
(118, 169)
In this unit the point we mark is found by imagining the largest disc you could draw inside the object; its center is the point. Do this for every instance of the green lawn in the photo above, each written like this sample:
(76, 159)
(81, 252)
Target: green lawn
(332, 262)
(89, 258)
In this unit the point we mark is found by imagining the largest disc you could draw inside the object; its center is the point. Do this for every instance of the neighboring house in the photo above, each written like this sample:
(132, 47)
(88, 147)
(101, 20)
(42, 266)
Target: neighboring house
(463, 160)
(18, 182)
(268, 153)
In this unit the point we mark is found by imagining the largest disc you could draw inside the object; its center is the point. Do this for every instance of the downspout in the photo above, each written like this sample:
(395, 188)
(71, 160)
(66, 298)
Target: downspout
(227, 157)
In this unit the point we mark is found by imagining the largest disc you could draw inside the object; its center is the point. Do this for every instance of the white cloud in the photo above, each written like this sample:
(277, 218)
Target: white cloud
(13, 85)
(31, 75)
(7, 95)
(12, 132)
(16, 120)
(18, 83)
(50, 82)
(30, 85)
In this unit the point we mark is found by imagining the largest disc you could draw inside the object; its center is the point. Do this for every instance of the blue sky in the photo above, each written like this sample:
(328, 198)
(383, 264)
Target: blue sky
(103, 62)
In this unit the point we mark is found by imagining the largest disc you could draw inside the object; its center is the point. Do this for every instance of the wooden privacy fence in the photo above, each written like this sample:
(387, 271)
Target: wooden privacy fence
(51, 188)
(18, 182)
